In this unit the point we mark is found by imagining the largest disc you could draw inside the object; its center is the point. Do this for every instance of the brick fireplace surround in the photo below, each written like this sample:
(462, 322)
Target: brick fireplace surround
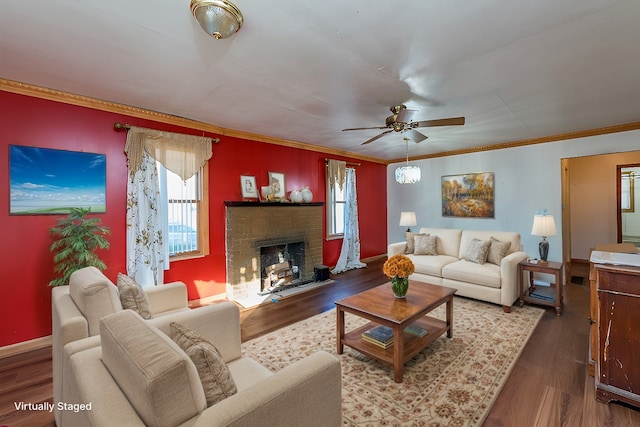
(251, 225)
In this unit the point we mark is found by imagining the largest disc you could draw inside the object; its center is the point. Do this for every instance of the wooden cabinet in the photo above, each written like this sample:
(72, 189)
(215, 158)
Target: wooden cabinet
(593, 298)
(617, 324)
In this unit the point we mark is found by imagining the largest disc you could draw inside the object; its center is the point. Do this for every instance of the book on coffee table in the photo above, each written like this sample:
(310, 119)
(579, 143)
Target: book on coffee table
(380, 335)
(416, 330)
(376, 342)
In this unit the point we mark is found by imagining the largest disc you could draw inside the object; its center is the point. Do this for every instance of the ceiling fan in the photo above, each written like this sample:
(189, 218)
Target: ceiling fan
(400, 121)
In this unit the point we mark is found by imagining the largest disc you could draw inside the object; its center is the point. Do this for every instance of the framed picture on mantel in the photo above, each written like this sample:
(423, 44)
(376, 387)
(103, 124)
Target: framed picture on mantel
(248, 186)
(276, 182)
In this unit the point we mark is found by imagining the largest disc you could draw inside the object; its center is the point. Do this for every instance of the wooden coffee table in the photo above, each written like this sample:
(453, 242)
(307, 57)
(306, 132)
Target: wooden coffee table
(381, 307)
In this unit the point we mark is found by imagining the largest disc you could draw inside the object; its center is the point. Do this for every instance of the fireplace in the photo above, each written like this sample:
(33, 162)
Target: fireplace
(281, 264)
(271, 244)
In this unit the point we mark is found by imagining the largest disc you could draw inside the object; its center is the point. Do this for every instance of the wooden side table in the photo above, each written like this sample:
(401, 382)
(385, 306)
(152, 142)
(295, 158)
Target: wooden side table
(528, 292)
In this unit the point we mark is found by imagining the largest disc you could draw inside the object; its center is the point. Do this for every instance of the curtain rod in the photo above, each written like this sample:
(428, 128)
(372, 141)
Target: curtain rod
(348, 163)
(118, 125)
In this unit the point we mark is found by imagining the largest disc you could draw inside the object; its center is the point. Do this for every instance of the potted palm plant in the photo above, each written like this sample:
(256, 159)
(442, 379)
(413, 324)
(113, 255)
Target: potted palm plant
(76, 239)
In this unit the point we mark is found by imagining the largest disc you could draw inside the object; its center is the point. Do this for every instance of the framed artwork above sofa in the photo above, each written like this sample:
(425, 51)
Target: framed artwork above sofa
(468, 195)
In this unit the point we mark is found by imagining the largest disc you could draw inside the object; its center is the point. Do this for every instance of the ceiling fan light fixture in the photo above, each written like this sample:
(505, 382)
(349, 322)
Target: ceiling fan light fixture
(218, 18)
(408, 174)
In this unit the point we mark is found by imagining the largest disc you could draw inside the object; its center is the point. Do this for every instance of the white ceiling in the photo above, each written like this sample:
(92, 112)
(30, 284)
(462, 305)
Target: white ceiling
(303, 70)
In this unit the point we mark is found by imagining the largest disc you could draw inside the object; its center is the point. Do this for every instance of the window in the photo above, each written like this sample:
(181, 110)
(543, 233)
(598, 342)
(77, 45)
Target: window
(335, 210)
(186, 220)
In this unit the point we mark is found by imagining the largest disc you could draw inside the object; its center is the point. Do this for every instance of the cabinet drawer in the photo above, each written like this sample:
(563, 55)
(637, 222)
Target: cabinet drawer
(621, 280)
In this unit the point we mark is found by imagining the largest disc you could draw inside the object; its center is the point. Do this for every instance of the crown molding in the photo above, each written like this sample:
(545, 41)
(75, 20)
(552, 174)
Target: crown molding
(533, 141)
(141, 113)
(112, 107)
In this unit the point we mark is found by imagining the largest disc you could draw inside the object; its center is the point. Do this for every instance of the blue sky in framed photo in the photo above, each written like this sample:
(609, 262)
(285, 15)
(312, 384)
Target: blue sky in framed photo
(48, 181)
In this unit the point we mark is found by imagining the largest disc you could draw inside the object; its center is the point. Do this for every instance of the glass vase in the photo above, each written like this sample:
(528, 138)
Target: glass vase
(400, 286)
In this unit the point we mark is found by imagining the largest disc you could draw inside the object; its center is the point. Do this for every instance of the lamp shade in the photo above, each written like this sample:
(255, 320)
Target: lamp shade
(543, 225)
(408, 219)
(219, 18)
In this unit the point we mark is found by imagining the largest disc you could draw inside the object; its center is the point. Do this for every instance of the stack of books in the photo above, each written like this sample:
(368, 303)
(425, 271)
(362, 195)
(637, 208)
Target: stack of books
(382, 336)
(543, 293)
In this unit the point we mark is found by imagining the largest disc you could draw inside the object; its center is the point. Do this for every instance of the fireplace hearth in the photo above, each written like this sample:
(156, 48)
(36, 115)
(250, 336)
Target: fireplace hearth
(271, 246)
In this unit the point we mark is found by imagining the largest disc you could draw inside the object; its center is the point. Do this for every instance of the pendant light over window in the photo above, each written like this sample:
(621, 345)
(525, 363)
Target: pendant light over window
(219, 18)
(408, 174)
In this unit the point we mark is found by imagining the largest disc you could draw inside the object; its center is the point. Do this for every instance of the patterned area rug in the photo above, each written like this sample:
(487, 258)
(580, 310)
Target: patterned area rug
(453, 382)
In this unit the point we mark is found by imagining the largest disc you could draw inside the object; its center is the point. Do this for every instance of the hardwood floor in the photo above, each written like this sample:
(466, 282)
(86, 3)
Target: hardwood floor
(549, 385)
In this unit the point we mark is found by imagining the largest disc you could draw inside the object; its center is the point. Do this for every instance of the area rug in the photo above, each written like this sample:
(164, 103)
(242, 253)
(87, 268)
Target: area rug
(257, 299)
(453, 382)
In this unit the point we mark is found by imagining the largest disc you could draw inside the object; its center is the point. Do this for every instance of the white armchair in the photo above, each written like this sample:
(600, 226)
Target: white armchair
(150, 381)
(78, 308)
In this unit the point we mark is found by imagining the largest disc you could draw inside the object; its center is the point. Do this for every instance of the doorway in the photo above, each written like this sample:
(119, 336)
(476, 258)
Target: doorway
(628, 211)
(589, 202)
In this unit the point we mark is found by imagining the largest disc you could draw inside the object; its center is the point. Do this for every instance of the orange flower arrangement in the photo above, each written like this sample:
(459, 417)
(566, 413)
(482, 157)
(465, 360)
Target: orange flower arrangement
(398, 266)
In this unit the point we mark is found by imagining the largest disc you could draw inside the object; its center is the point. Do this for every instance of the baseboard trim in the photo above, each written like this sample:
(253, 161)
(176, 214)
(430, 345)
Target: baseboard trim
(373, 258)
(25, 346)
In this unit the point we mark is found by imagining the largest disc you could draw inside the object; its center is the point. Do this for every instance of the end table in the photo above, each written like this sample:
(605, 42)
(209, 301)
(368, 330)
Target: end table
(531, 292)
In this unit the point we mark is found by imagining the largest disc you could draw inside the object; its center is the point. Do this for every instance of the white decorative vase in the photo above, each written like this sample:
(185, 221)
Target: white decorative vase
(295, 196)
(307, 195)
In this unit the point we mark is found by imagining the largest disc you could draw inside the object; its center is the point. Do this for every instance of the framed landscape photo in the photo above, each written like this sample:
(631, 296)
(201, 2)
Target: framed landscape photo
(469, 195)
(276, 182)
(46, 181)
(248, 185)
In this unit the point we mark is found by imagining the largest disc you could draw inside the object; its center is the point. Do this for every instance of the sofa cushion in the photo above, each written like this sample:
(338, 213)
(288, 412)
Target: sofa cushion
(133, 297)
(94, 295)
(503, 236)
(448, 242)
(156, 376)
(431, 265)
(425, 245)
(477, 251)
(471, 272)
(214, 373)
(497, 251)
(410, 248)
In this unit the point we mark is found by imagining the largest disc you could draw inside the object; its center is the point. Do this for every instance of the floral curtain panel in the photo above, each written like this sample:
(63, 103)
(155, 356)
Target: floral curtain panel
(350, 252)
(147, 256)
(145, 260)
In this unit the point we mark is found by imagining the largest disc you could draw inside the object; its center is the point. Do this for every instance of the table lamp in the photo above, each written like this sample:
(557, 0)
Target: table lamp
(543, 225)
(408, 219)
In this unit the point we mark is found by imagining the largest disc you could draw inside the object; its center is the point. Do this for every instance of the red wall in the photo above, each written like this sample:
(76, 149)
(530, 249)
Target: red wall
(27, 265)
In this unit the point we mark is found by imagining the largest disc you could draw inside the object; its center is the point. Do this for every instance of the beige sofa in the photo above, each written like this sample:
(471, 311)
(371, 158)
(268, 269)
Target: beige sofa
(495, 283)
(138, 376)
(78, 308)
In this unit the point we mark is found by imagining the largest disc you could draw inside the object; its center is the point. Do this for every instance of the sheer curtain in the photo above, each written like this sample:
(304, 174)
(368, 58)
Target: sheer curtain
(147, 256)
(350, 252)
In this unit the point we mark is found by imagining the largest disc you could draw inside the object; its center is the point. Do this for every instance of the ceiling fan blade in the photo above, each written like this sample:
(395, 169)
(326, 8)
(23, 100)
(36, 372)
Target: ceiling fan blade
(453, 121)
(415, 136)
(377, 127)
(405, 116)
(376, 137)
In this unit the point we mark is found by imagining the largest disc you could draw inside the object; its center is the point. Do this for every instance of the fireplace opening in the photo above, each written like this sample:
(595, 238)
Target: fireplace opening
(282, 266)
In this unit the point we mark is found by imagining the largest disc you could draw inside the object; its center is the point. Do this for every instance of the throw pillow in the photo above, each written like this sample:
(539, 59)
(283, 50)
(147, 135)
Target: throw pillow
(425, 245)
(214, 374)
(477, 251)
(411, 241)
(133, 297)
(497, 251)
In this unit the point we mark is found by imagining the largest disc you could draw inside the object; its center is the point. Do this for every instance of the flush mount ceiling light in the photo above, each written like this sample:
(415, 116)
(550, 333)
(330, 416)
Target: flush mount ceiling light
(219, 18)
